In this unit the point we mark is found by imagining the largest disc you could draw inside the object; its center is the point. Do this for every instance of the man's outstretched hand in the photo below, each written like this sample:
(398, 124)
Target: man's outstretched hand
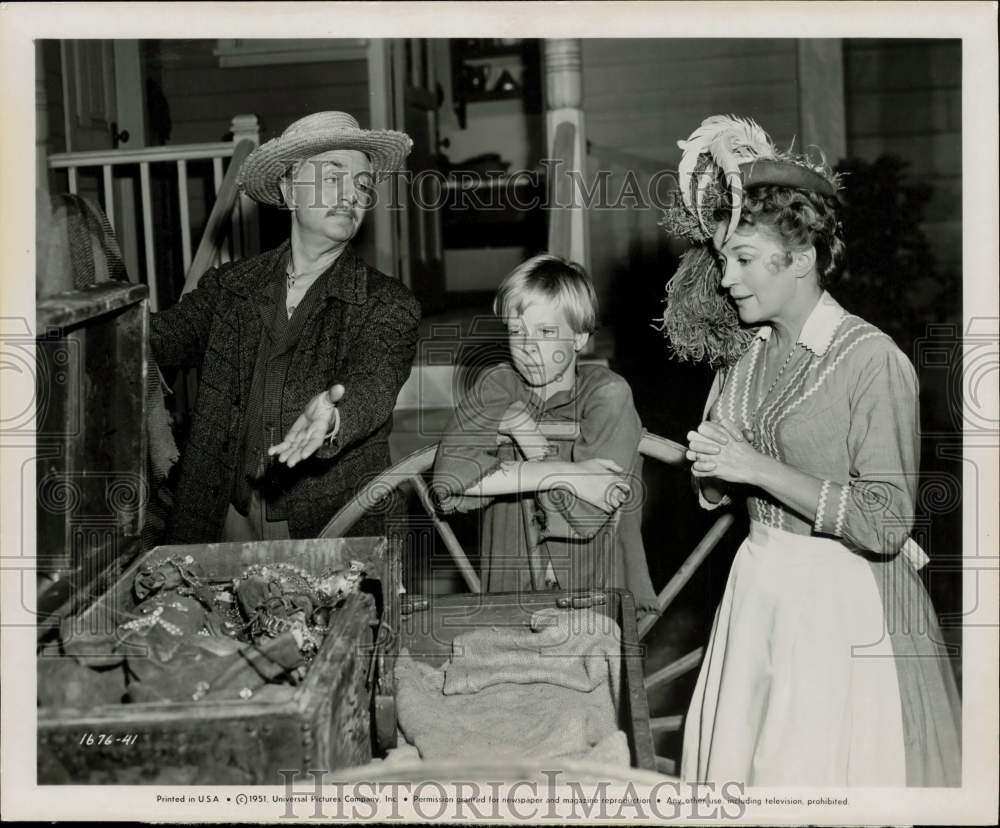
(310, 429)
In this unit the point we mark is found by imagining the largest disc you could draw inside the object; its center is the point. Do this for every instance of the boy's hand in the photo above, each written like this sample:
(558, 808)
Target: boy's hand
(520, 426)
(600, 482)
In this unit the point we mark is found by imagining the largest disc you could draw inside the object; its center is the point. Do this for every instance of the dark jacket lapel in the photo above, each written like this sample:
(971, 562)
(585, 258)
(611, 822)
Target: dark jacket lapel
(251, 285)
(344, 290)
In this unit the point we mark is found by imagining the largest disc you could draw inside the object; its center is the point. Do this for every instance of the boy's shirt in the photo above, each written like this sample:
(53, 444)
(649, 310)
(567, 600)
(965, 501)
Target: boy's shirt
(586, 546)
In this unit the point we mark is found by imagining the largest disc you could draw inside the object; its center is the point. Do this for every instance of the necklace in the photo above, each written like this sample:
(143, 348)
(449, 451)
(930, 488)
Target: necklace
(777, 376)
(291, 276)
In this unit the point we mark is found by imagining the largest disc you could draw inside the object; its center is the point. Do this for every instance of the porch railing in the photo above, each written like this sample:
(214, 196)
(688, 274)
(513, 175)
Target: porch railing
(230, 207)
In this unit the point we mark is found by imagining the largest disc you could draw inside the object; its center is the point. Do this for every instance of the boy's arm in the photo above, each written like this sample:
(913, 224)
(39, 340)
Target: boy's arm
(598, 481)
(468, 450)
(521, 427)
(609, 428)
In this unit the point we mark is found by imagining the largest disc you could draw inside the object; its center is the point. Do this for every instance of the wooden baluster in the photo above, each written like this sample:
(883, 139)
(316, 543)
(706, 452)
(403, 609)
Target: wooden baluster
(109, 194)
(147, 233)
(72, 179)
(182, 196)
(222, 255)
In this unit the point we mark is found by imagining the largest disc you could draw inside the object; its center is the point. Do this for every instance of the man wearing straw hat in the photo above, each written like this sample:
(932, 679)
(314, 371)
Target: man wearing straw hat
(302, 349)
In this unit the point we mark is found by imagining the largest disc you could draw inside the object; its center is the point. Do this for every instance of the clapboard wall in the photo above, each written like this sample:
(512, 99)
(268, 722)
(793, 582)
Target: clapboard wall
(201, 97)
(904, 98)
(55, 108)
(640, 97)
(901, 97)
(191, 98)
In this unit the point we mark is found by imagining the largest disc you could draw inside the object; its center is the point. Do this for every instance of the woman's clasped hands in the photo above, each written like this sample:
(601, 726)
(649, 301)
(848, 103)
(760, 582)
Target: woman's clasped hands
(724, 451)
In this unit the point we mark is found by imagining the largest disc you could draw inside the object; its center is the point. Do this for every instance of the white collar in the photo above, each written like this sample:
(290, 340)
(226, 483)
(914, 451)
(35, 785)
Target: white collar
(817, 333)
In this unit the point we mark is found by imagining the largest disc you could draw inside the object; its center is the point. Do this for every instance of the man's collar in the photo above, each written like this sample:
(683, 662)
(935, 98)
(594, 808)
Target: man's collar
(346, 280)
(821, 324)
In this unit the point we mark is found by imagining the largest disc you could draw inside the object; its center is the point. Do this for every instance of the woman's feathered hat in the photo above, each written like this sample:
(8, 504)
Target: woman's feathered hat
(719, 161)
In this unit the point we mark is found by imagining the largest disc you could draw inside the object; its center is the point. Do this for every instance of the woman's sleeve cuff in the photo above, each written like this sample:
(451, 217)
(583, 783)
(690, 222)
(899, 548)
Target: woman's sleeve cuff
(831, 508)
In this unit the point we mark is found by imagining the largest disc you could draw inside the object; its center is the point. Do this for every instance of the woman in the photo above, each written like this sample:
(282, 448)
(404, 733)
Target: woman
(824, 665)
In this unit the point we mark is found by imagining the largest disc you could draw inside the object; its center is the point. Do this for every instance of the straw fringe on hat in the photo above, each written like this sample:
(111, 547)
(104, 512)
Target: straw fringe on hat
(320, 132)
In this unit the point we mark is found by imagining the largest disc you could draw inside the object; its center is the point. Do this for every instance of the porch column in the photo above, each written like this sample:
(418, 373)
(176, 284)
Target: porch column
(566, 141)
(386, 223)
(822, 118)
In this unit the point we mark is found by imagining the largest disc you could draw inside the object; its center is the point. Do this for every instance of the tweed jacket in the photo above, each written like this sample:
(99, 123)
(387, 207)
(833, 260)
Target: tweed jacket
(362, 333)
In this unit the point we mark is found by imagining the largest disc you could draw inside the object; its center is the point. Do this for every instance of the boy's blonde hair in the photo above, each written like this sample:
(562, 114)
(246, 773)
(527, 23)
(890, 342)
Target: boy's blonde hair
(563, 282)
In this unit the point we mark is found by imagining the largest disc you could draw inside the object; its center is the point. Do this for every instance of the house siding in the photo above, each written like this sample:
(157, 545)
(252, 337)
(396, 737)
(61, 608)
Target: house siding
(202, 97)
(904, 98)
(640, 97)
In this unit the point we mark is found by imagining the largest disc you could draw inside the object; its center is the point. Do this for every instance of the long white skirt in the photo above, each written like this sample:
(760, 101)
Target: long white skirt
(798, 685)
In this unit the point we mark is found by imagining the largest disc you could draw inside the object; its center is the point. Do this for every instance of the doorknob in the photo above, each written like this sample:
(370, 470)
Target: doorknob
(118, 137)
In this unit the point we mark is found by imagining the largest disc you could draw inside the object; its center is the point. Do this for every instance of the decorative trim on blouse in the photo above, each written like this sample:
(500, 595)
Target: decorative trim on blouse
(821, 506)
(830, 368)
(751, 369)
(838, 526)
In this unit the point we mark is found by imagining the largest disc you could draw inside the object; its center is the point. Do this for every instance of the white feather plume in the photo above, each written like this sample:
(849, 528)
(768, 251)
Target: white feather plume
(730, 141)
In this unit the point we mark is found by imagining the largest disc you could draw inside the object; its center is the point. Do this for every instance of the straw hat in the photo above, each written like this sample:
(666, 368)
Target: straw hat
(320, 132)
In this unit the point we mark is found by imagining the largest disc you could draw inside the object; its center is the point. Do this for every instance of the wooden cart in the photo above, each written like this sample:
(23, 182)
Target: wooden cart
(412, 472)
(430, 624)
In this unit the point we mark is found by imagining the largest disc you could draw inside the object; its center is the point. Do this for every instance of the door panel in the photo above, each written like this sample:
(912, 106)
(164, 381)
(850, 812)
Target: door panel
(418, 101)
(89, 81)
(103, 87)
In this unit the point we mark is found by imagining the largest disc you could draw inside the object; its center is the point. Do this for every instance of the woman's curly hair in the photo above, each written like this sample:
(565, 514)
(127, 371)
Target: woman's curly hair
(800, 218)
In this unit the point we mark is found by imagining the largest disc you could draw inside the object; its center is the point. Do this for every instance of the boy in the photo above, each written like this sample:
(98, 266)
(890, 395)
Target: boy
(551, 509)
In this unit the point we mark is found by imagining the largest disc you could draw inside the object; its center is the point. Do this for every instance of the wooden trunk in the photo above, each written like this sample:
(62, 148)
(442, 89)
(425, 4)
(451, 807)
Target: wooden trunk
(323, 723)
(91, 438)
(429, 624)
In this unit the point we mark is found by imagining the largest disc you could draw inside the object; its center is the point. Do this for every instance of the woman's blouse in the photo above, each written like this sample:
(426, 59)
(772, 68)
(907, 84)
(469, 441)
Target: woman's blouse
(843, 408)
